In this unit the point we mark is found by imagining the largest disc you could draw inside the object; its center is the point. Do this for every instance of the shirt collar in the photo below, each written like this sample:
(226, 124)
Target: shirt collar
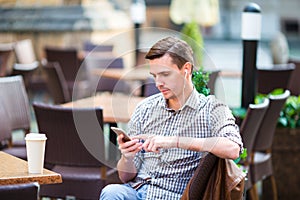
(194, 101)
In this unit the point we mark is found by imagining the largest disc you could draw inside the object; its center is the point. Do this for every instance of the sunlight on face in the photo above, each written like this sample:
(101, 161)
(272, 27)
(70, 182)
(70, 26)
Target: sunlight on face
(168, 77)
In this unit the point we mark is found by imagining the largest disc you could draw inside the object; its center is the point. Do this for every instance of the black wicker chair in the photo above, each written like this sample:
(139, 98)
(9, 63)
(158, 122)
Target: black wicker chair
(75, 149)
(56, 83)
(28, 191)
(261, 168)
(249, 129)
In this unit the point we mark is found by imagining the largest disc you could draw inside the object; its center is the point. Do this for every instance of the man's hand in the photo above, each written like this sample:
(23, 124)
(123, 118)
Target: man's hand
(126, 168)
(152, 143)
(130, 148)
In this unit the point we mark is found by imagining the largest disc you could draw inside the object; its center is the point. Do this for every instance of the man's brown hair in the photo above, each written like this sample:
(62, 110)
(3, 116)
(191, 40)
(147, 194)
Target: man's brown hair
(177, 49)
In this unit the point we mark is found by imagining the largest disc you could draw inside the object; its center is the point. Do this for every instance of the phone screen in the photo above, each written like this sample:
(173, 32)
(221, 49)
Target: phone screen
(119, 131)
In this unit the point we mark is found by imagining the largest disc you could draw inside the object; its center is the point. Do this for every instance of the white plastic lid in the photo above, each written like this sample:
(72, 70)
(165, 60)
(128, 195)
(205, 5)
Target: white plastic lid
(35, 136)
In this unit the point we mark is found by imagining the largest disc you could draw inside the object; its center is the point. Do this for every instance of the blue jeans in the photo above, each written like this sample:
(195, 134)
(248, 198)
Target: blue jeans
(123, 192)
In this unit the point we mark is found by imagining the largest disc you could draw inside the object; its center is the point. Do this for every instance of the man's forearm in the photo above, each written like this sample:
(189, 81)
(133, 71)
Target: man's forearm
(126, 169)
(220, 146)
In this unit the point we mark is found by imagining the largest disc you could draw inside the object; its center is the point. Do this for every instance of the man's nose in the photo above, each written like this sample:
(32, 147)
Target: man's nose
(158, 82)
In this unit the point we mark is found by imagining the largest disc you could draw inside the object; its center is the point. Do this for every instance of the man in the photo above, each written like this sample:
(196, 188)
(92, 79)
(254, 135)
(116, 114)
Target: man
(171, 130)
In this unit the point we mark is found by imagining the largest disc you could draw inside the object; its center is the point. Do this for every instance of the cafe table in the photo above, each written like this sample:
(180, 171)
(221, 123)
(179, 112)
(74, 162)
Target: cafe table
(14, 170)
(140, 73)
(117, 107)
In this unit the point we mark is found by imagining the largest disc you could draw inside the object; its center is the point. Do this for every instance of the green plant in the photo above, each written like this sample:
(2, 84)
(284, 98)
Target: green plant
(259, 98)
(290, 113)
(242, 157)
(239, 112)
(192, 35)
(200, 80)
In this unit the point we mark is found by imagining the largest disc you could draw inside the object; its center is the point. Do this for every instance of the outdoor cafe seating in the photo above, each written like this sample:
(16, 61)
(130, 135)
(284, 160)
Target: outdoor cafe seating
(50, 119)
(273, 77)
(28, 191)
(75, 149)
(261, 168)
(249, 129)
(6, 136)
(56, 82)
(15, 102)
(71, 68)
(294, 83)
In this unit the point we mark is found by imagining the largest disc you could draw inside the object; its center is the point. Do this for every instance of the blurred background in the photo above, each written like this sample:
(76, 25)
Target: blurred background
(71, 29)
(70, 23)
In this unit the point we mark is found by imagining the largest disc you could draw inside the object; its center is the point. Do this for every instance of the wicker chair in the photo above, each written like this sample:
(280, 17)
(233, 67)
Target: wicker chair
(5, 128)
(70, 65)
(56, 83)
(6, 144)
(294, 84)
(277, 76)
(249, 129)
(261, 168)
(73, 135)
(14, 100)
(213, 75)
(28, 191)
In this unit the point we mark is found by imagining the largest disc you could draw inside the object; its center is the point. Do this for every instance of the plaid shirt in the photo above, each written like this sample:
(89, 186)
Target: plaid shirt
(169, 171)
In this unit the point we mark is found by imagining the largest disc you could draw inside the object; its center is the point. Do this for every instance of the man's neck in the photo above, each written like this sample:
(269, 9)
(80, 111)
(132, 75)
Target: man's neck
(177, 103)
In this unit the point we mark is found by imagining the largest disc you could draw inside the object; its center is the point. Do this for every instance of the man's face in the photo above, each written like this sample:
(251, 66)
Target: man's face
(168, 77)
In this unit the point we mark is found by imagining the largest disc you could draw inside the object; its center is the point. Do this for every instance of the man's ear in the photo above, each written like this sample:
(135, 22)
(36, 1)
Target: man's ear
(187, 68)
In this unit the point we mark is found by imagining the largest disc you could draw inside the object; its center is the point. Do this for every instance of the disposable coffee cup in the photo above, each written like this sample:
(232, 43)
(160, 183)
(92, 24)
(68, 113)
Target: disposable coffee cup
(35, 147)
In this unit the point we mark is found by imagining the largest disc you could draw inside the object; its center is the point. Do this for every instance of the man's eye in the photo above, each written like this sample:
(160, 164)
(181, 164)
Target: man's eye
(165, 74)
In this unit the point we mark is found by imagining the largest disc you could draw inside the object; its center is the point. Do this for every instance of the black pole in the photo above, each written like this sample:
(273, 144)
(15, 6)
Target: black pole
(137, 40)
(249, 87)
(251, 30)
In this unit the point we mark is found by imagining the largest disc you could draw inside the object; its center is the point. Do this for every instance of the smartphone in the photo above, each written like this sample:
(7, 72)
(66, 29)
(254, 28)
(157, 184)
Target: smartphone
(119, 131)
